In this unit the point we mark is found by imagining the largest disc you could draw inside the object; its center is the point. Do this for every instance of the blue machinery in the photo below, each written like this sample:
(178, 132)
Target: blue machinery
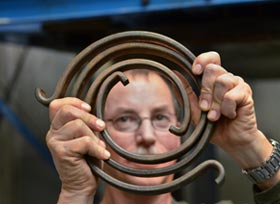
(29, 15)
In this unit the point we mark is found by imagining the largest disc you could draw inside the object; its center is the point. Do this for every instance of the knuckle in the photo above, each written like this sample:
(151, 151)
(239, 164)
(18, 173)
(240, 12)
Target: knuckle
(56, 148)
(50, 141)
(227, 81)
(78, 124)
(240, 79)
(215, 54)
(87, 140)
(205, 90)
(249, 89)
(60, 152)
(54, 104)
(78, 128)
(49, 136)
(67, 112)
(222, 82)
(211, 56)
(213, 70)
(210, 69)
(228, 98)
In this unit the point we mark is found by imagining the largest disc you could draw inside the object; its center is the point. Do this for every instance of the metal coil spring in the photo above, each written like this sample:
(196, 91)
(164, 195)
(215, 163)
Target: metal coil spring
(104, 62)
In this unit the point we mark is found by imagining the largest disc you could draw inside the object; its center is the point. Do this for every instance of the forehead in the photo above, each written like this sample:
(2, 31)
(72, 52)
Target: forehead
(145, 90)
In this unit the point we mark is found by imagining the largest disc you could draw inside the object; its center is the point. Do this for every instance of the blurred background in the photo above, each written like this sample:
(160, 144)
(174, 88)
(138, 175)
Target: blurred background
(39, 38)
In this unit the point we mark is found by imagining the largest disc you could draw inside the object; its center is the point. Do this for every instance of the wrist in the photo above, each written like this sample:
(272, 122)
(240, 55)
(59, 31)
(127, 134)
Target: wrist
(254, 153)
(71, 197)
(270, 182)
(267, 174)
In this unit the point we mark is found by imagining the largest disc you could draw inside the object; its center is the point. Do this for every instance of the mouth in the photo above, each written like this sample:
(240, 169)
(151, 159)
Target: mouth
(150, 151)
(147, 151)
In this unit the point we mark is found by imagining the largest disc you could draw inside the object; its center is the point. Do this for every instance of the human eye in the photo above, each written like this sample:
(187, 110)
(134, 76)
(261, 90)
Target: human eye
(124, 119)
(124, 122)
(161, 117)
(161, 121)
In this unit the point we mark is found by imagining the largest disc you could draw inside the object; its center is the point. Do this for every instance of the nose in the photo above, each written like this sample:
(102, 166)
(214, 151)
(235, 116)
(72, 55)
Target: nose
(145, 135)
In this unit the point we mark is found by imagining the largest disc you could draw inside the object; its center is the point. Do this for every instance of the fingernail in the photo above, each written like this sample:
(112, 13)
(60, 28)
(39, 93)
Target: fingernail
(197, 69)
(107, 154)
(100, 123)
(86, 106)
(204, 104)
(212, 115)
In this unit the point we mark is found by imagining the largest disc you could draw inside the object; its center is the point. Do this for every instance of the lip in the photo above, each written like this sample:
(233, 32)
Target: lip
(143, 151)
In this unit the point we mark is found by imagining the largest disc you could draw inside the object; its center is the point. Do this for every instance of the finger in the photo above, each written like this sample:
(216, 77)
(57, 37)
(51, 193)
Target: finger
(222, 85)
(60, 148)
(68, 113)
(55, 105)
(239, 96)
(195, 110)
(211, 73)
(87, 146)
(72, 130)
(232, 94)
(203, 60)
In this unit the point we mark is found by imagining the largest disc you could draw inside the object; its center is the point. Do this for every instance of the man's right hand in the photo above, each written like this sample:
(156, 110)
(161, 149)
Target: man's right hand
(71, 137)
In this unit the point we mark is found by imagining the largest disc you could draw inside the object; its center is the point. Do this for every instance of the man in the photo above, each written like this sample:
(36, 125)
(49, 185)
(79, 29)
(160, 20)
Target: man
(137, 117)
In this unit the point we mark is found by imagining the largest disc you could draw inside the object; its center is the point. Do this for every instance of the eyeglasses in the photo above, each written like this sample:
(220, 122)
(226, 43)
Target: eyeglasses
(132, 122)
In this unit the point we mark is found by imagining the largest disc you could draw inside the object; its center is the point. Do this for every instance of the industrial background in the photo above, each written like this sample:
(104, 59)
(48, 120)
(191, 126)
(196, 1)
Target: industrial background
(38, 38)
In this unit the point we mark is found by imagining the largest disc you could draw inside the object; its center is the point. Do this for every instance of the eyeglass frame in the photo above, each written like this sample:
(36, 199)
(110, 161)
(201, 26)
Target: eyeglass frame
(139, 121)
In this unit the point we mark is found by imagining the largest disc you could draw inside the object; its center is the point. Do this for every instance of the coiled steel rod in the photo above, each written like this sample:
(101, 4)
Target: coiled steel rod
(138, 50)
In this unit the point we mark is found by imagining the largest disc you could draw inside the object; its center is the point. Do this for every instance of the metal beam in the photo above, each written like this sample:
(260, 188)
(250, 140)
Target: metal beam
(27, 16)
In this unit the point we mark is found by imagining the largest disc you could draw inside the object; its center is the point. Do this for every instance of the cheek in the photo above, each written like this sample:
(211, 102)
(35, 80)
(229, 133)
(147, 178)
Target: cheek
(120, 139)
(170, 141)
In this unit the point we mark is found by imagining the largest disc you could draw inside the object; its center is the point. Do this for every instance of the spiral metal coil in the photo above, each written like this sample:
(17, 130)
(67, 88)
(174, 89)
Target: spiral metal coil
(138, 50)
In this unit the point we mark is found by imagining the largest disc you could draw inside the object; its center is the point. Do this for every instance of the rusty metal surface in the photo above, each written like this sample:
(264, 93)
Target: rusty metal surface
(87, 78)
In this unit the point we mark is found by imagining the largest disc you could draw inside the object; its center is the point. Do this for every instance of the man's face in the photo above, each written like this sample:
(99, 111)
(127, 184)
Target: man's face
(147, 97)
